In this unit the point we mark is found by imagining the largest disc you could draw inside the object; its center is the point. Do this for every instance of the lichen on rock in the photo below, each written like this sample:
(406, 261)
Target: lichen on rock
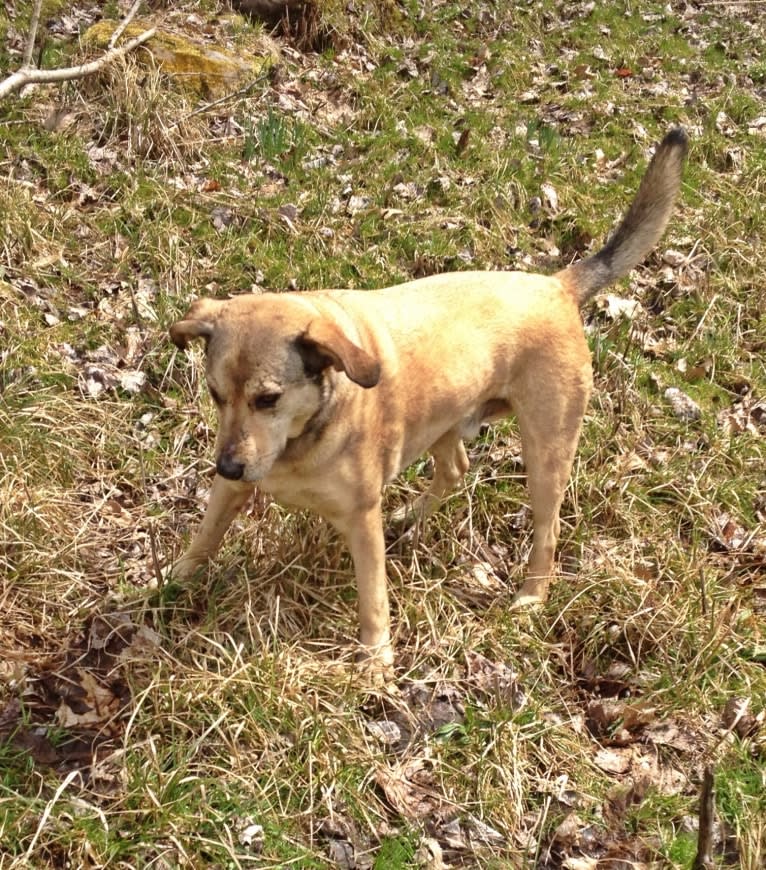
(206, 70)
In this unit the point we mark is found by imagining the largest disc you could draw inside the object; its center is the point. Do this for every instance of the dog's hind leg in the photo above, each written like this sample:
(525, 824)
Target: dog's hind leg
(550, 422)
(450, 464)
(227, 498)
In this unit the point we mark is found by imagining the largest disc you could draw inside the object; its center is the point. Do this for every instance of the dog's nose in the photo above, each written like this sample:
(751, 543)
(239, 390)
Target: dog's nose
(229, 468)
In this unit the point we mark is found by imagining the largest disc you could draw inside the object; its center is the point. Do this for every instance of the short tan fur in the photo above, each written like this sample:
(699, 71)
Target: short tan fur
(323, 397)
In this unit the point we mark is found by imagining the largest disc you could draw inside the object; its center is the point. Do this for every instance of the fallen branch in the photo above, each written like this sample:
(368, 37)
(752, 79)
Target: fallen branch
(120, 29)
(30, 75)
(33, 25)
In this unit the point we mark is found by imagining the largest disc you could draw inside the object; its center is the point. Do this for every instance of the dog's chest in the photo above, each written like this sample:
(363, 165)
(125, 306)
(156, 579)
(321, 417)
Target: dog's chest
(295, 490)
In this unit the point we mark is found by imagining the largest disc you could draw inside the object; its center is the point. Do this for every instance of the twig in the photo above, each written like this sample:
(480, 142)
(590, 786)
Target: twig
(703, 318)
(27, 76)
(123, 24)
(704, 858)
(154, 550)
(73, 774)
(33, 25)
(227, 98)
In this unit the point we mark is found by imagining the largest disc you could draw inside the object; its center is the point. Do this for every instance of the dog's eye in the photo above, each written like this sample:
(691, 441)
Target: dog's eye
(265, 400)
(215, 395)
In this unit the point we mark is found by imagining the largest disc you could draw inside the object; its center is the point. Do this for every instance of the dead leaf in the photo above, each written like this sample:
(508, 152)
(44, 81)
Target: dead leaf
(550, 197)
(669, 733)
(737, 717)
(613, 760)
(727, 533)
(616, 308)
(222, 217)
(96, 704)
(385, 731)
(409, 788)
(496, 680)
(684, 407)
(250, 835)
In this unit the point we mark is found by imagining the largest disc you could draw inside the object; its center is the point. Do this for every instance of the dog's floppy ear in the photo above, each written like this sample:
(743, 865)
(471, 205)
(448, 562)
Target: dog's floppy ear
(197, 323)
(325, 344)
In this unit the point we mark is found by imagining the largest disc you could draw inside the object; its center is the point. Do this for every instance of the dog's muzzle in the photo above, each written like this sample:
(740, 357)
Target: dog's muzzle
(229, 468)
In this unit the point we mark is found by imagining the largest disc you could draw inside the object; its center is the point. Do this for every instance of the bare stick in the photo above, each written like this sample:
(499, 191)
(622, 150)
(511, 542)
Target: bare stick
(22, 77)
(225, 99)
(123, 24)
(704, 857)
(33, 25)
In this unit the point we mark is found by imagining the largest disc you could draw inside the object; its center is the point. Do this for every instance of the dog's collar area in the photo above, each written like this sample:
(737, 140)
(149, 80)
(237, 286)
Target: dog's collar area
(311, 424)
(315, 424)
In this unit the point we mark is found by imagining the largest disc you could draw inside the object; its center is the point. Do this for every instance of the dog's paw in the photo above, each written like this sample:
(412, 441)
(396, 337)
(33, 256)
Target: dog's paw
(375, 664)
(533, 594)
(372, 674)
(525, 601)
(183, 569)
(404, 517)
(416, 511)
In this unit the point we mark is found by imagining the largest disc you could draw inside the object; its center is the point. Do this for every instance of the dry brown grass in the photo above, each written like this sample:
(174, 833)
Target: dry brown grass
(146, 726)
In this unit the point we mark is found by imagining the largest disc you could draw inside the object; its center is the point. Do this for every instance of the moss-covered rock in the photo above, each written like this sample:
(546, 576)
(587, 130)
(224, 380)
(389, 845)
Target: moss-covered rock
(207, 70)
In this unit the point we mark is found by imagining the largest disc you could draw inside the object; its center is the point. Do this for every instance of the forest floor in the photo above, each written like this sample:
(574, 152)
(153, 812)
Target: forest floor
(224, 724)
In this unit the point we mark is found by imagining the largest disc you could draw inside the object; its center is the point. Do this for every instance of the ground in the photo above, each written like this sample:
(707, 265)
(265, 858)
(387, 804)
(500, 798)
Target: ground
(224, 724)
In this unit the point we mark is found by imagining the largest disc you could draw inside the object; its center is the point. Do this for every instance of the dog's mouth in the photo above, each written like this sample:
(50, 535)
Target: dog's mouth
(229, 466)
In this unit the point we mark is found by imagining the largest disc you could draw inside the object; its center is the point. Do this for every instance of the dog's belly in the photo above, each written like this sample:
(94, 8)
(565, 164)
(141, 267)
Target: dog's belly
(467, 425)
(492, 409)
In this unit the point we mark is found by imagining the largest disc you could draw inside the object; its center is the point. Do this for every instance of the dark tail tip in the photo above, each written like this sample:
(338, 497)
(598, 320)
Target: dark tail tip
(676, 138)
(643, 224)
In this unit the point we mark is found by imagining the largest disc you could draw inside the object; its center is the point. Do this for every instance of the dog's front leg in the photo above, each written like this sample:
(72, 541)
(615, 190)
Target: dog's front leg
(227, 498)
(363, 532)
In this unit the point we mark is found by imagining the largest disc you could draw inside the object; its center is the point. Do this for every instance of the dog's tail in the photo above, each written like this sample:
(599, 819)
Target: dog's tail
(641, 228)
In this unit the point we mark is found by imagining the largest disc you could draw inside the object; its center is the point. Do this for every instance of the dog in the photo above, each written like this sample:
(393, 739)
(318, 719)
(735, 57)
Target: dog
(323, 397)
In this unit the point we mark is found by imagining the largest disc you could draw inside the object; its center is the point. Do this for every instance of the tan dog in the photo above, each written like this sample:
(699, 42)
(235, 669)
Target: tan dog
(324, 397)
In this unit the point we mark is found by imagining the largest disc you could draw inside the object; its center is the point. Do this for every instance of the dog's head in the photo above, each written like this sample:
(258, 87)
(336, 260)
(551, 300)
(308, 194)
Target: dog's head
(268, 358)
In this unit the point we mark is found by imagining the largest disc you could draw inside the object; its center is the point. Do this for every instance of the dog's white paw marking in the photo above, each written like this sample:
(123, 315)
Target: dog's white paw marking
(526, 599)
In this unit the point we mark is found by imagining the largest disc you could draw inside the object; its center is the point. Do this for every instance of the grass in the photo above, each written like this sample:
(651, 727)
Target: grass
(233, 703)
